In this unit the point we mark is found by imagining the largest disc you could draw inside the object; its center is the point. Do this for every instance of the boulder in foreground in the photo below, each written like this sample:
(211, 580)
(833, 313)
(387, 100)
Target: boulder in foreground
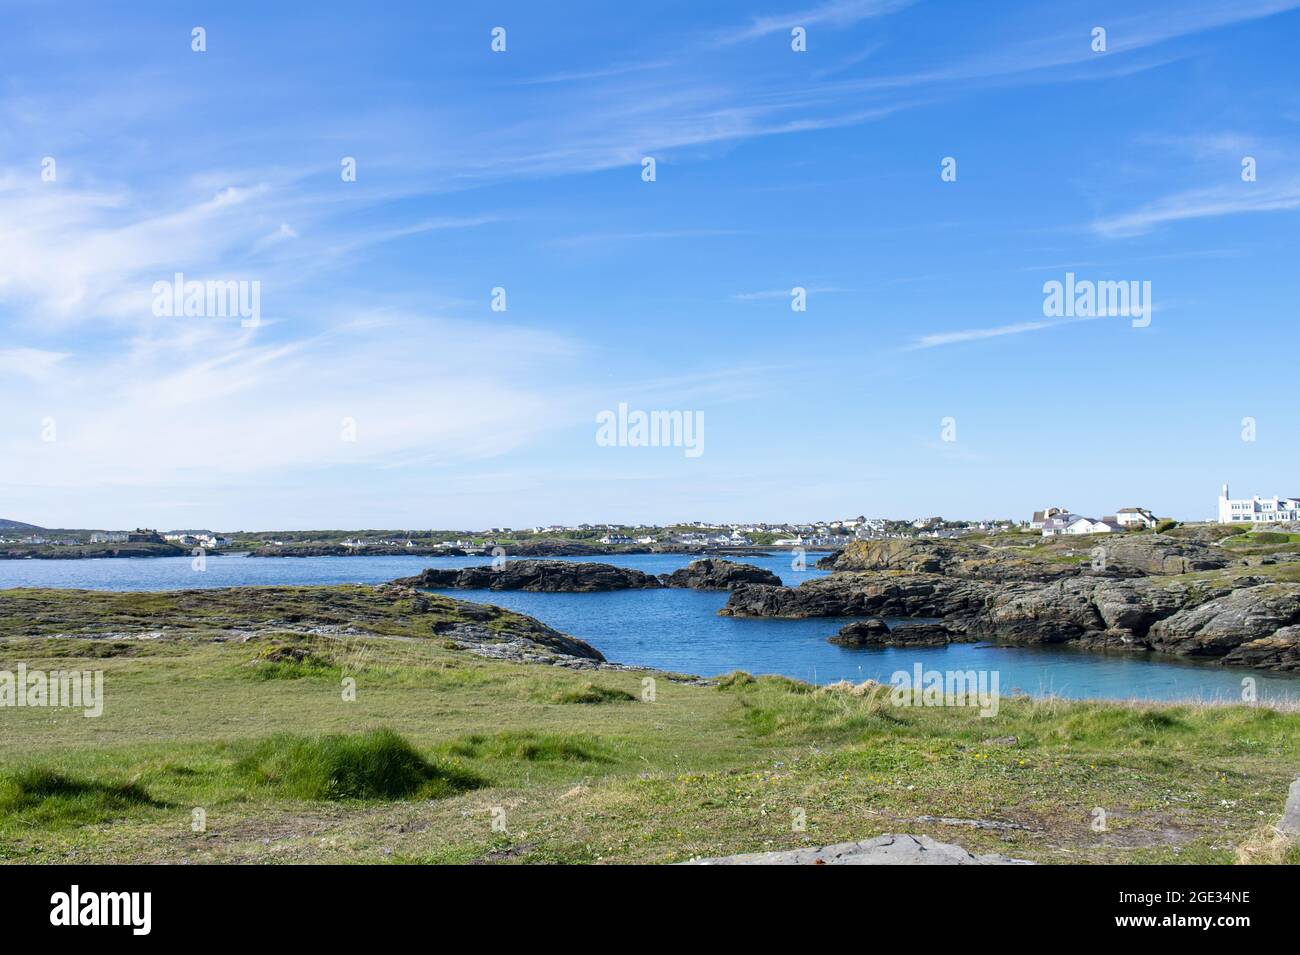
(888, 849)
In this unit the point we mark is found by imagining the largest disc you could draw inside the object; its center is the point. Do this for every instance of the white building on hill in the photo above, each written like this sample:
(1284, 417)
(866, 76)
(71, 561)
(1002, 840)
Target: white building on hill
(1135, 517)
(1040, 518)
(1258, 510)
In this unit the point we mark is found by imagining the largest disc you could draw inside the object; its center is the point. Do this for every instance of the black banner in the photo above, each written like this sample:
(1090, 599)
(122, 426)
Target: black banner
(142, 905)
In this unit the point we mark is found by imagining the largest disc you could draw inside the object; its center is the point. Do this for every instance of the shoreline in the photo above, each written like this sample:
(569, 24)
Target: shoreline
(331, 551)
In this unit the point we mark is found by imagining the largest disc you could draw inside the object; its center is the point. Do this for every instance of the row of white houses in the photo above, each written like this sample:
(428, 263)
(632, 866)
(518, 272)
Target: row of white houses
(1053, 521)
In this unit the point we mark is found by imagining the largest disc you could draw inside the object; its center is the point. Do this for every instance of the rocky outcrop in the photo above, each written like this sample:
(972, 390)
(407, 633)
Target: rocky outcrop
(712, 574)
(539, 576)
(874, 632)
(1239, 620)
(925, 635)
(904, 553)
(555, 648)
(1279, 650)
(548, 547)
(502, 633)
(86, 551)
(355, 550)
(1158, 554)
(1118, 555)
(1256, 626)
(888, 849)
(1052, 613)
(861, 595)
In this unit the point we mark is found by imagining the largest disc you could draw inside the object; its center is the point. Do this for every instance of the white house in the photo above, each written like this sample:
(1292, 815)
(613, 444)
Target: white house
(1086, 525)
(1042, 517)
(1135, 517)
(1059, 523)
(1257, 510)
(1067, 523)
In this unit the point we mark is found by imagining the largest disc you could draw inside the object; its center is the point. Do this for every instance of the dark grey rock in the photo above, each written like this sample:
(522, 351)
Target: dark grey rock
(872, 632)
(711, 573)
(539, 576)
(888, 849)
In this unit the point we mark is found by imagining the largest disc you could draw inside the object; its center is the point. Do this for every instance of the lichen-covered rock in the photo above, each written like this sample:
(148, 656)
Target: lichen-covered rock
(1278, 651)
(1235, 620)
(1103, 555)
(1159, 554)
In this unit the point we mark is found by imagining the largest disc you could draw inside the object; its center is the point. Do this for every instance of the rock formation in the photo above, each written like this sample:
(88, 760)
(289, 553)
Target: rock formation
(713, 574)
(540, 576)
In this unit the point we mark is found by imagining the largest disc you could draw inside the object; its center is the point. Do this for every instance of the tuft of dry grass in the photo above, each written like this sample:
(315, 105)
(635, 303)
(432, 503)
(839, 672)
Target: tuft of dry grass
(1267, 845)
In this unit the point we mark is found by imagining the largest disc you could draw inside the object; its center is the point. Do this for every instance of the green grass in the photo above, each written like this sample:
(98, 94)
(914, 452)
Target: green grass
(292, 663)
(592, 694)
(530, 747)
(44, 797)
(377, 764)
(437, 743)
(1260, 543)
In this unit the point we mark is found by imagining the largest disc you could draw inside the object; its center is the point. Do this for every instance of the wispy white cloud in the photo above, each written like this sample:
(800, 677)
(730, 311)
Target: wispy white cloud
(582, 76)
(1030, 56)
(780, 293)
(836, 13)
(224, 404)
(1241, 197)
(937, 339)
(601, 238)
(33, 363)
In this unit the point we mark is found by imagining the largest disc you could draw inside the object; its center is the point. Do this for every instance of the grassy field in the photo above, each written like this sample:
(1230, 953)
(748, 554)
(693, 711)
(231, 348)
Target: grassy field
(444, 756)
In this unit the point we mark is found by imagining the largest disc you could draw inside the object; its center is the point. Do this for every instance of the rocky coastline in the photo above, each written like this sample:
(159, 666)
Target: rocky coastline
(91, 551)
(1147, 593)
(541, 549)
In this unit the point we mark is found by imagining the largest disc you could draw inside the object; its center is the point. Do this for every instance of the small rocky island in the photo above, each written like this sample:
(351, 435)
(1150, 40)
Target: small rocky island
(566, 576)
(711, 573)
(538, 576)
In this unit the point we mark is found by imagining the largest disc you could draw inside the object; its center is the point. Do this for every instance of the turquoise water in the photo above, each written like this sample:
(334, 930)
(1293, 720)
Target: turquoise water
(679, 630)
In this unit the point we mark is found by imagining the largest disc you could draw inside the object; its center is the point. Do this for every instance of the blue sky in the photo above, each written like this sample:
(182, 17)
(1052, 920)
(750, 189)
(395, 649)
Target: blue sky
(523, 170)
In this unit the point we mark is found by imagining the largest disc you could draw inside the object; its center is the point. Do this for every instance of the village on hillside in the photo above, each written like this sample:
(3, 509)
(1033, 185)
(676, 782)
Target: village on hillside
(816, 535)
